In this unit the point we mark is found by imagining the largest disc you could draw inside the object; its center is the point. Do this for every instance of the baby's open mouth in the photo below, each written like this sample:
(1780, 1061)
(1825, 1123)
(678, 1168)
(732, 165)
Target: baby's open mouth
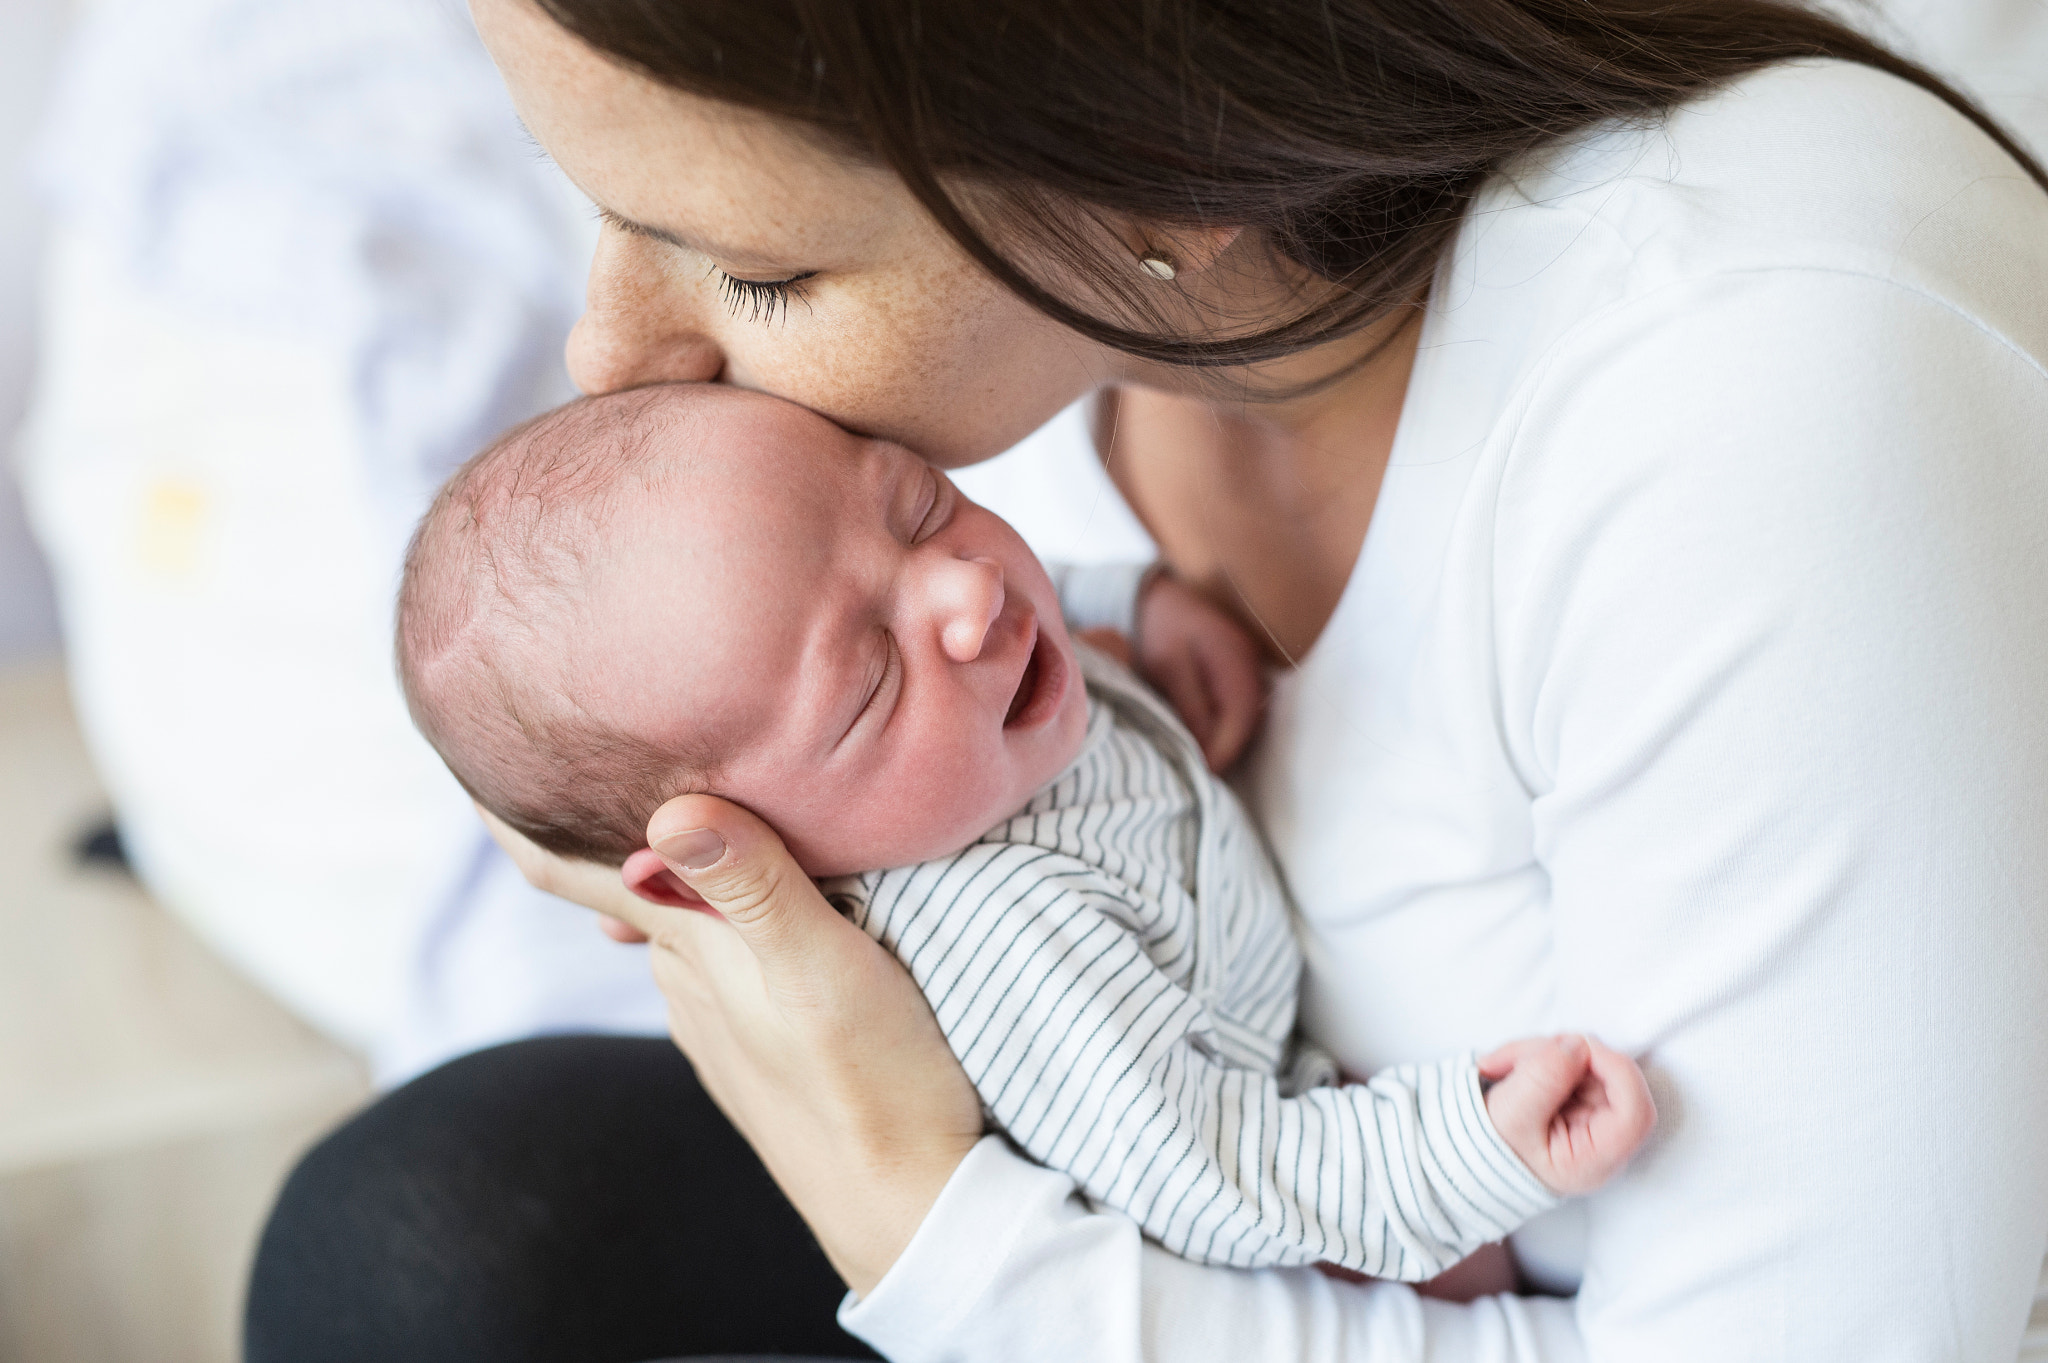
(1040, 688)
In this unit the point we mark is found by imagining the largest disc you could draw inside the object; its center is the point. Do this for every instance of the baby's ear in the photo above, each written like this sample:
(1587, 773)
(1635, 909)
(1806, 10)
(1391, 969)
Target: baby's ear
(648, 876)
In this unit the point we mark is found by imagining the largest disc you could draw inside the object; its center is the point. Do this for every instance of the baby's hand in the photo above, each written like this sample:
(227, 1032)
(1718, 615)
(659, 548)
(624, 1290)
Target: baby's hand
(1203, 662)
(1573, 1109)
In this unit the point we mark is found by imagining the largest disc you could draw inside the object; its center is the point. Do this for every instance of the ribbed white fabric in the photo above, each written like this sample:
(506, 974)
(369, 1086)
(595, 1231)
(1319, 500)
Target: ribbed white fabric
(1116, 969)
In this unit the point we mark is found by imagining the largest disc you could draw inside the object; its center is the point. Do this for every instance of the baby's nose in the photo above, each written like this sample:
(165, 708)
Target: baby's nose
(971, 597)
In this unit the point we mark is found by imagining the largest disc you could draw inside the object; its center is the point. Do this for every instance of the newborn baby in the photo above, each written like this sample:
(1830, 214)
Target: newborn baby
(689, 588)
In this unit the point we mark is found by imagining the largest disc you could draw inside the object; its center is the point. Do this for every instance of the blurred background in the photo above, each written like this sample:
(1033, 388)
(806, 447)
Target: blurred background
(268, 270)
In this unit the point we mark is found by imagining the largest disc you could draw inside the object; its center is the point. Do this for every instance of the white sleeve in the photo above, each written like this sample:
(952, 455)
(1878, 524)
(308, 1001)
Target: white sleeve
(1011, 1266)
(1771, 574)
(1099, 595)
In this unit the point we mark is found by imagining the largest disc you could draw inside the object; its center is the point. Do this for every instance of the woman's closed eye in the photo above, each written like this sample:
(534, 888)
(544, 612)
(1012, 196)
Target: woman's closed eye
(762, 300)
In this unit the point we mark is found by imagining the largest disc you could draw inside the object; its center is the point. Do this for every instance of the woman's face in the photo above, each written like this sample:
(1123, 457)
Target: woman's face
(889, 329)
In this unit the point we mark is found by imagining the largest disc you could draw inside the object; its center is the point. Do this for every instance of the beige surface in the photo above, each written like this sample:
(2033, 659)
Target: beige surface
(150, 1099)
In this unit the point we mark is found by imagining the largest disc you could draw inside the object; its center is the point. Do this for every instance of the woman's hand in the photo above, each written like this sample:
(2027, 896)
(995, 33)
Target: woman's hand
(810, 1036)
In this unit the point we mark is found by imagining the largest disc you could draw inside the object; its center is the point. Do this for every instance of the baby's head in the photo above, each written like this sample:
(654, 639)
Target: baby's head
(698, 588)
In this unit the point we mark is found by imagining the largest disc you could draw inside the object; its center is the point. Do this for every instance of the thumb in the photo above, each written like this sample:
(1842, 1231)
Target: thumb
(740, 868)
(1545, 1075)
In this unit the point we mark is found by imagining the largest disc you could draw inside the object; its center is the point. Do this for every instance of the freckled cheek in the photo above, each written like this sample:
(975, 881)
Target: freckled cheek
(868, 355)
(939, 371)
(850, 378)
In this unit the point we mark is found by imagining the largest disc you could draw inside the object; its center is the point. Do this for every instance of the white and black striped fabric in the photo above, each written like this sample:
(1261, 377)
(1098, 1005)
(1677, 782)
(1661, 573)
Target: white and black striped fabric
(1116, 970)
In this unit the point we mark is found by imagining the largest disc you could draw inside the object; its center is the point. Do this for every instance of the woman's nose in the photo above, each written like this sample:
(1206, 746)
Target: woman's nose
(969, 597)
(639, 322)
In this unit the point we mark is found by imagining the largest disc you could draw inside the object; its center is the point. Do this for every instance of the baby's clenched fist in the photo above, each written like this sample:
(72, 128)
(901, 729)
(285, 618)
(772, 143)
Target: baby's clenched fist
(1573, 1109)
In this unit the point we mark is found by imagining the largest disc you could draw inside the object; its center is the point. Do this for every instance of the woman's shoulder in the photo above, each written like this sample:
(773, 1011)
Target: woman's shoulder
(1702, 339)
(1817, 233)
(1802, 166)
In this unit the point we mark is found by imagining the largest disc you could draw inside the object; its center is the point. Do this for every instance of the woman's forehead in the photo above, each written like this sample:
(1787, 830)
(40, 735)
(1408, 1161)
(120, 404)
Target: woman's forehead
(734, 184)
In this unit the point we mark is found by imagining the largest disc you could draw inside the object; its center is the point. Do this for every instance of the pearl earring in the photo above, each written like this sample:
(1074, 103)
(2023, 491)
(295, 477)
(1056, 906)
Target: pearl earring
(1158, 264)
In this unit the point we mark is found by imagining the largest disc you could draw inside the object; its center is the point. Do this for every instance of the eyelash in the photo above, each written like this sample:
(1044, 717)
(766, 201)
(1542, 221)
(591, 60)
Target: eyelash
(940, 486)
(764, 300)
(882, 682)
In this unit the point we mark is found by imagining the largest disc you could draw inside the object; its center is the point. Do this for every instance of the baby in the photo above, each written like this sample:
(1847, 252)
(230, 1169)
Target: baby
(690, 588)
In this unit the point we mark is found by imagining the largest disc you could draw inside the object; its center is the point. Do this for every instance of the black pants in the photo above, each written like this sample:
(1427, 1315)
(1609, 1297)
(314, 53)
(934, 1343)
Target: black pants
(569, 1198)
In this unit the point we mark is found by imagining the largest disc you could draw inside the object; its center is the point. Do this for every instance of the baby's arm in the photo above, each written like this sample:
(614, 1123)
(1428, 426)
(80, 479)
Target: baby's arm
(1096, 1062)
(1399, 1177)
(1574, 1111)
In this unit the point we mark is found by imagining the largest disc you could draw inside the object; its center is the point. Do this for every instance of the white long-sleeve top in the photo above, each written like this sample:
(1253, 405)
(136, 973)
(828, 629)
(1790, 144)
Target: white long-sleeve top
(1692, 689)
(1115, 966)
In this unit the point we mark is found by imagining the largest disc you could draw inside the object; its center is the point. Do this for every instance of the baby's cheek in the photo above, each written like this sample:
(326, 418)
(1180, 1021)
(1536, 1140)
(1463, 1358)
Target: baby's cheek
(952, 797)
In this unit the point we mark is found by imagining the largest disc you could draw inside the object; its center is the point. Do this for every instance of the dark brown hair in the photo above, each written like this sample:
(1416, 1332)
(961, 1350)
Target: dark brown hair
(1349, 134)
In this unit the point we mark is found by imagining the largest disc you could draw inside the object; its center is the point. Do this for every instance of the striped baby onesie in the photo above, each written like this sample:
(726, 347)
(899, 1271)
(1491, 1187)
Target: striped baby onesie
(1116, 970)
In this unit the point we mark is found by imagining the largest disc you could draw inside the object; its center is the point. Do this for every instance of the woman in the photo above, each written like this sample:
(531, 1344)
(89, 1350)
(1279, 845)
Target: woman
(1687, 690)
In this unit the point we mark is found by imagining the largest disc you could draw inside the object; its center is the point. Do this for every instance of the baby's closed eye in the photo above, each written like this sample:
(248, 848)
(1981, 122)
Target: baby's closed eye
(882, 671)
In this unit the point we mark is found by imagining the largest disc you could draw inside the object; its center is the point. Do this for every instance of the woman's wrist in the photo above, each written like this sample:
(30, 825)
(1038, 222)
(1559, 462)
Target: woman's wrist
(864, 1228)
(808, 1033)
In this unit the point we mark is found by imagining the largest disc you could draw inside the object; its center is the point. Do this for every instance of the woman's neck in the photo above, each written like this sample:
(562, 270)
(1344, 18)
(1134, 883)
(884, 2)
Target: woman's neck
(1264, 502)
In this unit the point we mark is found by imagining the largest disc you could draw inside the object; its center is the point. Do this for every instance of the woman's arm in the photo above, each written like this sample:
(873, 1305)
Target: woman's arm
(819, 1047)
(1771, 578)
(822, 1051)
(1012, 1266)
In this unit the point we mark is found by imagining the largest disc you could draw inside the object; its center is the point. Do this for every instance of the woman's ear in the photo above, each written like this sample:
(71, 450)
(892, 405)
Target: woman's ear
(646, 875)
(1188, 250)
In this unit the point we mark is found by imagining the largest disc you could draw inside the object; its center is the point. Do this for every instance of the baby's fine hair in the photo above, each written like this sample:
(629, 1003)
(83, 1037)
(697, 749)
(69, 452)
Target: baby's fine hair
(492, 618)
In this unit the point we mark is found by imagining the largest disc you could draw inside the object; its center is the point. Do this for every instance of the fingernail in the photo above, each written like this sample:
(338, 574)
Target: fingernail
(693, 851)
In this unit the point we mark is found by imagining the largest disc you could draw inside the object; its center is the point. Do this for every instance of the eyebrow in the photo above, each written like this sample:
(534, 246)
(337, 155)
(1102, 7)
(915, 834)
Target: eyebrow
(625, 224)
(641, 229)
(712, 249)
(616, 219)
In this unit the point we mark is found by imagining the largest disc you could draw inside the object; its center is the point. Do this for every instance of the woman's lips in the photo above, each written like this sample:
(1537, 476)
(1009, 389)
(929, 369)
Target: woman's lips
(1042, 687)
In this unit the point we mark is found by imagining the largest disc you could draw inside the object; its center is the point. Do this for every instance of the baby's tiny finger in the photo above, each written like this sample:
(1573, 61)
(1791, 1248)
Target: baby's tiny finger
(1238, 695)
(1499, 1062)
(1190, 698)
(1628, 1092)
(1503, 1059)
